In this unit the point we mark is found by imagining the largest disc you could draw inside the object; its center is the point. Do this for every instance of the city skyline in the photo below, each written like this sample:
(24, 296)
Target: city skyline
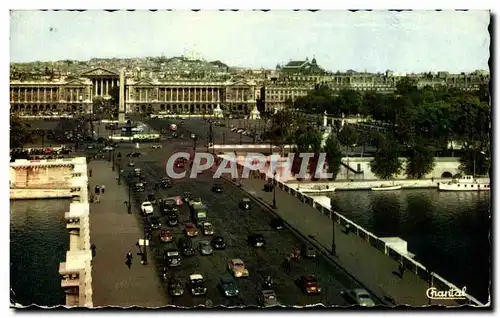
(411, 42)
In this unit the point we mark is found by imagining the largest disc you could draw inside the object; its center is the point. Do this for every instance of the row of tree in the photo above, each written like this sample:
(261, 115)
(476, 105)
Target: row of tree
(418, 124)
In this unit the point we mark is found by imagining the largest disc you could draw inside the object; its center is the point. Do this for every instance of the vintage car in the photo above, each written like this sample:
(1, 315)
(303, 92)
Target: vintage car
(238, 268)
(166, 236)
(309, 284)
(218, 243)
(245, 204)
(205, 248)
(175, 287)
(228, 287)
(172, 257)
(196, 285)
(256, 240)
(147, 208)
(267, 298)
(358, 296)
(190, 230)
(207, 228)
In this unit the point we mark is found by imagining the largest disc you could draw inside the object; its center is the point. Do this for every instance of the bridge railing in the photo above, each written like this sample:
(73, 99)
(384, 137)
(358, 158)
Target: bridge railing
(409, 263)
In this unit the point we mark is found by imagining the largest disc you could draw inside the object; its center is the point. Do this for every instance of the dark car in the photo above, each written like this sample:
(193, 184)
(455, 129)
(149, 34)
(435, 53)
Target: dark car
(169, 208)
(165, 183)
(137, 172)
(277, 224)
(256, 240)
(217, 188)
(152, 198)
(172, 219)
(172, 257)
(308, 250)
(228, 287)
(218, 243)
(186, 246)
(134, 154)
(196, 285)
(245, 204)
(175, 287)
(154, 223)
(139, 187)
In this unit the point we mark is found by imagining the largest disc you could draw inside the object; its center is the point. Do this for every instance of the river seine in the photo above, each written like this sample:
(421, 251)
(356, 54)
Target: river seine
(38, 243)
(449, 232)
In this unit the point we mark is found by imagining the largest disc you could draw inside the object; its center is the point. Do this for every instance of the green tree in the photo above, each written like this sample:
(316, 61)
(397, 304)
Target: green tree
(474, 161)
(333, 155)
(19, 134)
(419, 160)
(386, 162)
(348, 136)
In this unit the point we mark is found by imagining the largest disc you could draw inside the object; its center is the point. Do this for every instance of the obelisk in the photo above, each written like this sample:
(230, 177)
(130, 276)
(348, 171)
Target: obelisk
(121, 101)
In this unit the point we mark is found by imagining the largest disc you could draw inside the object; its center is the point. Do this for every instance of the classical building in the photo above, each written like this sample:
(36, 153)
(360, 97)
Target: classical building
(141, 95)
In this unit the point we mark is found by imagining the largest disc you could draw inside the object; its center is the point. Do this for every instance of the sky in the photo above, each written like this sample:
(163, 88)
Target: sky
(417, 41)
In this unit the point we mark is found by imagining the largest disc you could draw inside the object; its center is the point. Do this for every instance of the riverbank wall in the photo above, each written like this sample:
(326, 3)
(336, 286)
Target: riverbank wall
(62, 178)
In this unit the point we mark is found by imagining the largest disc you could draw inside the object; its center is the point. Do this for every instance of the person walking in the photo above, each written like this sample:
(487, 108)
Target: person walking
(93, 249)
(90, 173)
(103, 187)
(97, 189)
(129, 257)
(401, 269)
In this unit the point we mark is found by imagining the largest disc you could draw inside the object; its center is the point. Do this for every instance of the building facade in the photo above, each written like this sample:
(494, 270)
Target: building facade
(271, 90)
(77, 95)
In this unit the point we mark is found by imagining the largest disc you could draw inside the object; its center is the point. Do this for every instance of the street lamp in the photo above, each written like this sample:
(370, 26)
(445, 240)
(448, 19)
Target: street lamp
(114, 161)
(144, 255)
(274, 191)
(119, 157)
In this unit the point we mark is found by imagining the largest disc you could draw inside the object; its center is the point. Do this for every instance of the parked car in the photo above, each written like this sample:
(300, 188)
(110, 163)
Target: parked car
(217, 188)
(152, 198)
(267, 298)
(154, 223)
(207, 229)
(308, 250)
(238, 268)
(172, 257)
(309, 284)
(277, 224)
(156, 146)
(137, 172)
(197, 285)
(228, 287)
(139, 187)
(190, 230)
(245, 204)
(218, 243)
(186, 246)
(147, 208)
(358, 296)
(175, 287)
(166, 236)
(256, 240)
(172, 219)
(205, 248)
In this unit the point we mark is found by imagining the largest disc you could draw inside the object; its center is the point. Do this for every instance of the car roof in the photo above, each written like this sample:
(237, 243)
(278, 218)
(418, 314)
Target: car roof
(236, 260)
(207, 223)
(227, 279)
(268, 292)
(359, 291)
(189, 224)
(245, 199)
(146, 202)
(195, 276)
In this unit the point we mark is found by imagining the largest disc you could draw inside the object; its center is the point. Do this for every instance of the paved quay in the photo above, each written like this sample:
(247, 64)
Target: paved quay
(114, 232)
(365, 263)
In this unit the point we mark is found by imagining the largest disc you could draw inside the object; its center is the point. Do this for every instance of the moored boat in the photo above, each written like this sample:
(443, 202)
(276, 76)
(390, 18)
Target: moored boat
(465, 183)
(387, 187)
(317, 190)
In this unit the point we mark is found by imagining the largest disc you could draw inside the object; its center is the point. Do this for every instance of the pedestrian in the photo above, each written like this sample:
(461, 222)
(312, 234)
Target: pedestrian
(90, 173)
(401, 269)
(97, 189)
(97, 198)
(432, 179)
(103, 187)
(93, 249)
(129, 257)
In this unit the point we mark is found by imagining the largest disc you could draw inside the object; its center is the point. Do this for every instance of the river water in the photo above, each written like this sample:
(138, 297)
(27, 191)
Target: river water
(38, 243)
(448, 231)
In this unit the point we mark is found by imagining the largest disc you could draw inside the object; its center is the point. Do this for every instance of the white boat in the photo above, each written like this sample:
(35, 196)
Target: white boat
(387, 187)
(317, 190)
(465, 183)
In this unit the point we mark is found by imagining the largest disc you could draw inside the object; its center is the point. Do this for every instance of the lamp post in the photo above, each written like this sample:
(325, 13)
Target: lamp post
(274, 191)
(119, 158)
(334, 246)
(114, 160)
(144, 255)
(129, 205)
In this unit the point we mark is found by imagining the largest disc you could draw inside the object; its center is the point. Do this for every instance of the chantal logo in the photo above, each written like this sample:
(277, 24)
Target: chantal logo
(452, 293)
